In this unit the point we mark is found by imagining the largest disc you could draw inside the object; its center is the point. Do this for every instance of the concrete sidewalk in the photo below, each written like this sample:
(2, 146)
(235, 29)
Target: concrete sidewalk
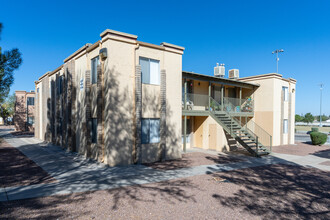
(77, 174)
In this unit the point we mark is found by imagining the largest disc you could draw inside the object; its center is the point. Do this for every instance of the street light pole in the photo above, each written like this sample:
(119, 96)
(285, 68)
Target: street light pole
(277, 59)
(321, 87)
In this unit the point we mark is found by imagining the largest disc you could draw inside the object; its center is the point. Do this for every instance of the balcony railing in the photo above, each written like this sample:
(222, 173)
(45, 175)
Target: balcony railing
(199, 102)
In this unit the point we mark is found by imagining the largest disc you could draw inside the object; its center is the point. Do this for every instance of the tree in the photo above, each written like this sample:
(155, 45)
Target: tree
(323, 118)
(309, 118)
(7, 109)
(9, 61)
(299, 118)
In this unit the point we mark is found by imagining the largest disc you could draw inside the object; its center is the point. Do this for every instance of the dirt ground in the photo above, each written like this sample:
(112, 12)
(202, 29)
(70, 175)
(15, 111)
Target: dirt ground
(268, 192)
(194, 159)
(17, 169)
(301, 149)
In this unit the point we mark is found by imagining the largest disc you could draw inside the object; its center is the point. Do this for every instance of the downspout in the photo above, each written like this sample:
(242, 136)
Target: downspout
(134, 150)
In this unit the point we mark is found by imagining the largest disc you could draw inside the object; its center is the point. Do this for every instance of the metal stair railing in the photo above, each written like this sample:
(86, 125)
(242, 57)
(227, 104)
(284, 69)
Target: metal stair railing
(260, 138)
(264, 137)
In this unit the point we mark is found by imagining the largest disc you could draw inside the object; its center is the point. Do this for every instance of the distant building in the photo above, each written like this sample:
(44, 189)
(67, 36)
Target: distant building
(24, 111)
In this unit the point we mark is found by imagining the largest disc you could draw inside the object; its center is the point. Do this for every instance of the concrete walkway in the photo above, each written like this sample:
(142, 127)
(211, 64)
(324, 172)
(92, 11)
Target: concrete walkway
(76, 174)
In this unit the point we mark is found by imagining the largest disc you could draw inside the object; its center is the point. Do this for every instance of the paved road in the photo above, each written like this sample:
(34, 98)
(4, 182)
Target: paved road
(76, 174)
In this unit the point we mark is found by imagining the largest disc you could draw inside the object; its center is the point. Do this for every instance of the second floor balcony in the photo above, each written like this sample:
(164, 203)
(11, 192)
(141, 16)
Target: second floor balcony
(199, 103)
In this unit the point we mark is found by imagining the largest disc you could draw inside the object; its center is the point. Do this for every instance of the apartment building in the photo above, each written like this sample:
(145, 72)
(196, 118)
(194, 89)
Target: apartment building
(255, 112)
(115, 101)
(118, 101)
(24, 115)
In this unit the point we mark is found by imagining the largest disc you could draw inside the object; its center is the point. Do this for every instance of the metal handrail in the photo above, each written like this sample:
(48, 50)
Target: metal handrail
(264, 137)
(233, 105)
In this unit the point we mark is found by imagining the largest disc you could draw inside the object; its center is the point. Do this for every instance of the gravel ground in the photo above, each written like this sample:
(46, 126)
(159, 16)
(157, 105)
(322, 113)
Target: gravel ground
(194, 159)
(300, 149)
(269, 192)
(17, 169)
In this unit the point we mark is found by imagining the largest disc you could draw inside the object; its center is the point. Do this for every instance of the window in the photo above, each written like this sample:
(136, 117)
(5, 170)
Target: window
(150, 131)
(150, 71)
(30, 101)
(60, 85)
(94, 130)
(30, 120)
(285, 126)
(285, 93)
(95, 62)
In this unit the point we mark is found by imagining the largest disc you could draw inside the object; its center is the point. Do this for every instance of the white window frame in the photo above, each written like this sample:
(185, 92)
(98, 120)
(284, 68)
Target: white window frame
(285, 93)
(152, 71)
(285, 126)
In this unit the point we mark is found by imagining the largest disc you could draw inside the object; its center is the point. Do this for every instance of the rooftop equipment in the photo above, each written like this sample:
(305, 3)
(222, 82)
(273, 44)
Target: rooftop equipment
(219, 71)
(233, 74)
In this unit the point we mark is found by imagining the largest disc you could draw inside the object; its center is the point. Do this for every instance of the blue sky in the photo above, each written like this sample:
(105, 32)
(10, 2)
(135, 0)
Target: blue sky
(241, 34)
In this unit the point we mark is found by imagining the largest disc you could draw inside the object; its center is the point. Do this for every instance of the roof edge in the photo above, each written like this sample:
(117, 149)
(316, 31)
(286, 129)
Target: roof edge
(118, 33)
(77, 52)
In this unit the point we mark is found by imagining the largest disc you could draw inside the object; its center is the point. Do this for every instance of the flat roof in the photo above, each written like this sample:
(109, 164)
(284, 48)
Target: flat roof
(268, 75)
(225, 81)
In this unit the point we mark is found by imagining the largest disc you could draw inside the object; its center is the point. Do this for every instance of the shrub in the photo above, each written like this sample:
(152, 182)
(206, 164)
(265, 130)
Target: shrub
(318, 138)
(315, 129)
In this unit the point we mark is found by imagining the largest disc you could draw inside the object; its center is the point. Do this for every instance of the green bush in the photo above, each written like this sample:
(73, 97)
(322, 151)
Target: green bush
(318, 138)
(315, 129)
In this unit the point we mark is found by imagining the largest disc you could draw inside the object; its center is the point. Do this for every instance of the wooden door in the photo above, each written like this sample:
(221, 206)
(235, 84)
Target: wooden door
(198, 134)
(212, 136)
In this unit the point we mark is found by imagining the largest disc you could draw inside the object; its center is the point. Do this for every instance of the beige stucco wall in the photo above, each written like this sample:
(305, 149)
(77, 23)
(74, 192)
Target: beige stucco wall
(268, 106)
(81, 66)
(123, 52)
(200, 136)
(119, 70)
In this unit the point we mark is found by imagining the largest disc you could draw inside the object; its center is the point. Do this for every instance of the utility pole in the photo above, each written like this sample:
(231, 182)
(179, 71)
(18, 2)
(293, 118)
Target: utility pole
(277, 59)
(321, 88)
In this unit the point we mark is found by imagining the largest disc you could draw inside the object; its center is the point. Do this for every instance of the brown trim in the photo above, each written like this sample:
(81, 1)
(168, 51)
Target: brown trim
(223, 81)
(144, 44)
(117, 33)
(164, 44)
(92, 47)
(77, 52)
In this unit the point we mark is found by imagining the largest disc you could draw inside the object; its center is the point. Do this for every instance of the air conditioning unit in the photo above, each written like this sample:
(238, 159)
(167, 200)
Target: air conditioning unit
(219, 71)
(233, 74)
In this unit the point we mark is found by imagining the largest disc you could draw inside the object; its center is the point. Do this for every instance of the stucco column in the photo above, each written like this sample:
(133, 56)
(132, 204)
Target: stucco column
(185, 133)
(221, 97)
(240, 103)
(185, 94)
(209, 95)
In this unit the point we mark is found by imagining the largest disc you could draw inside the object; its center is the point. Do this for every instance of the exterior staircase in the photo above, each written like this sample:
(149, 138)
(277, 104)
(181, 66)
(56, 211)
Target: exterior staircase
(242, 135)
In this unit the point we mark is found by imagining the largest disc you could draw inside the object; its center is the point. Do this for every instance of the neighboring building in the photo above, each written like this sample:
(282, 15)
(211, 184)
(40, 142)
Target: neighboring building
(122, 101)
(115, 101)
(24, 115)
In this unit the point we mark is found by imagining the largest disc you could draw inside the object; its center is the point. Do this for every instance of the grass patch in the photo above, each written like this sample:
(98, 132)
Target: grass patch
(309, 128)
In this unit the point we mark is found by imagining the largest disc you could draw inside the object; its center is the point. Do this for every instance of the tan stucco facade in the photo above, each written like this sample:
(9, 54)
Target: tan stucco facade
(119, 101)
(270, 107)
